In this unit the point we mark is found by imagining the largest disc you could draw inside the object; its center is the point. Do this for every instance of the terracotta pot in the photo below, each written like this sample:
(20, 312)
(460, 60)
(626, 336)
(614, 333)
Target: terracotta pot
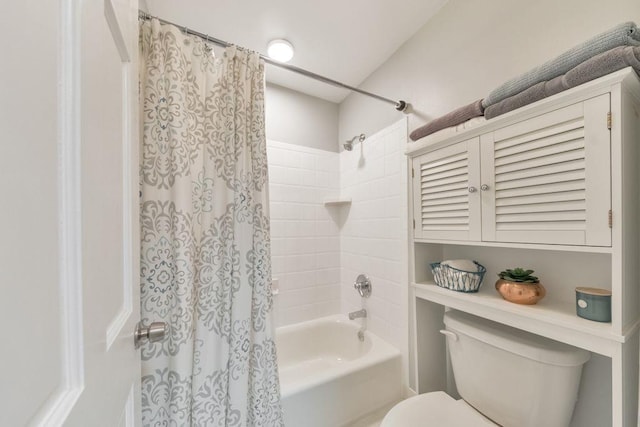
(520, 293)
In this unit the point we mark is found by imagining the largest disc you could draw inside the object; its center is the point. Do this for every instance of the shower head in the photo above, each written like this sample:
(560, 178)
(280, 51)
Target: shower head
(348, 145)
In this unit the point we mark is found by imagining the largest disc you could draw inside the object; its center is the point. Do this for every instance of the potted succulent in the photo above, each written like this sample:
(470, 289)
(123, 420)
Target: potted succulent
(519, 286)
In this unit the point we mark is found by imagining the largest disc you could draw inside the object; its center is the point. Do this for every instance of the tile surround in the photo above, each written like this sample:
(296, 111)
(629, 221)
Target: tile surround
(374, 236)
(305, 240)
(318, 251)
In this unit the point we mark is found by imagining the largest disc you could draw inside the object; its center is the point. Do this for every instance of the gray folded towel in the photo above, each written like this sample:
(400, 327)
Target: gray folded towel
(528, 96)
(605, 63)
(598, 66)
(626, 34)
(453, 118)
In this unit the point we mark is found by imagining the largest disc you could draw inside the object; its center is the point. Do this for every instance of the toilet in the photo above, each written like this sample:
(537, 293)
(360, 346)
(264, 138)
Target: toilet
(506, 377)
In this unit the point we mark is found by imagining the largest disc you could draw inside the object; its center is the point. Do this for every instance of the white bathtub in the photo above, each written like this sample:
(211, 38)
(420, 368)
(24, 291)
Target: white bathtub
(329, 378)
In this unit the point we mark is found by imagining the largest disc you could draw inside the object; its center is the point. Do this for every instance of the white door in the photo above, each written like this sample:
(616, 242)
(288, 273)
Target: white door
(68, 215)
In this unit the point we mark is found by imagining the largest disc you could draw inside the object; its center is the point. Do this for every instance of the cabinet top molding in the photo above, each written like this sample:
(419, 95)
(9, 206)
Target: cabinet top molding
(626, 77)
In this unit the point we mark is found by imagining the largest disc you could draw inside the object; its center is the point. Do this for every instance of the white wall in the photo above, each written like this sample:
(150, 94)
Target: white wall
(470, 47)
(305, 243)
(300, 119)
(374, 235)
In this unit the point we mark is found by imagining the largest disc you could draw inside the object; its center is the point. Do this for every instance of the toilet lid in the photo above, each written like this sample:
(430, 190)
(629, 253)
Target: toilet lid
(436, 409)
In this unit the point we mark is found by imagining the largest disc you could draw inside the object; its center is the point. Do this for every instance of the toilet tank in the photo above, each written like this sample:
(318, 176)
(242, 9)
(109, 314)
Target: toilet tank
(515, 378)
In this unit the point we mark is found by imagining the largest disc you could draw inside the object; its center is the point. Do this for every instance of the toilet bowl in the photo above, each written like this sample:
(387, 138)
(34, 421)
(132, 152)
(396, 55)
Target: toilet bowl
(491, 364)
(436, 409)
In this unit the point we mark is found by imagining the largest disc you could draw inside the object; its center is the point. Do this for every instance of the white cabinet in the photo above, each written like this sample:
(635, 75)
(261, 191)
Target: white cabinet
(541, 180)
(445, 187)
(548, 178)
(552, 186)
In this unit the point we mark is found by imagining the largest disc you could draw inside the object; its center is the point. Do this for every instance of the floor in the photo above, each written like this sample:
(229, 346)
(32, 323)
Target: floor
(373, 419)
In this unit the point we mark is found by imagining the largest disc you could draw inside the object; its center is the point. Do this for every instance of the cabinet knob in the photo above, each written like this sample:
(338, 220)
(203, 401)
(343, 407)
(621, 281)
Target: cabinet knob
(472, 189)
(484, 187)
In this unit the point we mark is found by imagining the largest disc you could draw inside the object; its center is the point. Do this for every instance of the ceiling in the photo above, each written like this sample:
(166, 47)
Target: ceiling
(342, 40)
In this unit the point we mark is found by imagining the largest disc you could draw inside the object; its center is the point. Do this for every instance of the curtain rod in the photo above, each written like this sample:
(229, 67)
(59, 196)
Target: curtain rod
(399, 105)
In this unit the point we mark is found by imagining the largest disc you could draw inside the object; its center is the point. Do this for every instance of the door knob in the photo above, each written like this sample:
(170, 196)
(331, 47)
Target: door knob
(156, 331)
(472, 189)
(484, 187)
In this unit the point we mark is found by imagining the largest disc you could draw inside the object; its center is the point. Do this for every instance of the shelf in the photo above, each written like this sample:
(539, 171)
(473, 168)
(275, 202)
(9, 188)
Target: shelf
(538, 246)
(555, 320)
(337, 202)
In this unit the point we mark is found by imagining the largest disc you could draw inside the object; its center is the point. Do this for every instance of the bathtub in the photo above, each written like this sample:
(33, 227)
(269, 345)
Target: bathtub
(329, 378)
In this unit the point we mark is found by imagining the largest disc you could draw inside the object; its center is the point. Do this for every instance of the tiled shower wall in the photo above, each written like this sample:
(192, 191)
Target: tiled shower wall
(319, 250)
(374, 234)
(305, 242)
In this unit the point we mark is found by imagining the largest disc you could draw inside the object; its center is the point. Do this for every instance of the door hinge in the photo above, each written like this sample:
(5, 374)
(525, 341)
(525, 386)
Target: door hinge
(610, 218)
(413, 174)
(609, 120)
(414, 224)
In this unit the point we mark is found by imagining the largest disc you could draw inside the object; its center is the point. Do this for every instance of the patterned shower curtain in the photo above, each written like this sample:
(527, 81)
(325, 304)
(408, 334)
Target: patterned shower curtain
(205, 251)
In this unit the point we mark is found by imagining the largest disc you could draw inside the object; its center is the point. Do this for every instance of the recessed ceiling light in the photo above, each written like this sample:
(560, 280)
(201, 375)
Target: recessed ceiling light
(280, 50)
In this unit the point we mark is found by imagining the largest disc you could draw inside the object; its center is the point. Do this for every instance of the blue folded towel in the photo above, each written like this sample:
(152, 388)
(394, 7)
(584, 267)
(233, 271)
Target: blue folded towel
(623, 34)
(600, 65)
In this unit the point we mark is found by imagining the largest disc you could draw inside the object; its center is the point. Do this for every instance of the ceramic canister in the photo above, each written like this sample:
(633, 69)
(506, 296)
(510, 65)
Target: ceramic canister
(594, 304)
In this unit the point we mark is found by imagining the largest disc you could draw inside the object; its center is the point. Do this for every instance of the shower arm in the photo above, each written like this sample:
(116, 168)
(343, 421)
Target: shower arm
(360, 137)
(399, 105)
(348, 145)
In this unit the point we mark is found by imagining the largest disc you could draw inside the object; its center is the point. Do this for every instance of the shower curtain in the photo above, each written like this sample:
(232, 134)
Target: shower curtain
(205, 251)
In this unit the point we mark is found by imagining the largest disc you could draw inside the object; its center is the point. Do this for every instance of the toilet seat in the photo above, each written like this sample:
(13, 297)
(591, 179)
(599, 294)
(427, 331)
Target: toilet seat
(435, 409)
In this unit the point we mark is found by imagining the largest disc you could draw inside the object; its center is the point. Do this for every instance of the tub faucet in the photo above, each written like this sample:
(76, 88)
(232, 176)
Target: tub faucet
(358, 314)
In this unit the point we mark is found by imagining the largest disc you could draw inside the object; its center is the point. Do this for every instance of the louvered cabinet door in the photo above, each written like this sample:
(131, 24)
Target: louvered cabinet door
(446, 197)
(548, 179)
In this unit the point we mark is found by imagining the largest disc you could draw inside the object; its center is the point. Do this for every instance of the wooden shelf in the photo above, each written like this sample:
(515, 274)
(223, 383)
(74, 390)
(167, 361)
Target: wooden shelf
(337, 202)
(549, 318)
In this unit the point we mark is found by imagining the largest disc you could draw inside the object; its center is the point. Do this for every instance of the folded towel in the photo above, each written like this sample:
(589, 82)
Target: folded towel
(598, 66)
(626, 34)
(528, 96)
(452, 131)
(453, 118)
(603, 64)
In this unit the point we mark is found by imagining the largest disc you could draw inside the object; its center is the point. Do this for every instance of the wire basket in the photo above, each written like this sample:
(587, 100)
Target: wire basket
(448, 277)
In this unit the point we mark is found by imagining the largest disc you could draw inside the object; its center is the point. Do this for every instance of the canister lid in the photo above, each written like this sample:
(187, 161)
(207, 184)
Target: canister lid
(594, 291)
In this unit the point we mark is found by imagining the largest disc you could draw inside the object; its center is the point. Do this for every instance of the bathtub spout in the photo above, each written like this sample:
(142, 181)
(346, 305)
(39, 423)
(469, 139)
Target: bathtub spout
(358, 314)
